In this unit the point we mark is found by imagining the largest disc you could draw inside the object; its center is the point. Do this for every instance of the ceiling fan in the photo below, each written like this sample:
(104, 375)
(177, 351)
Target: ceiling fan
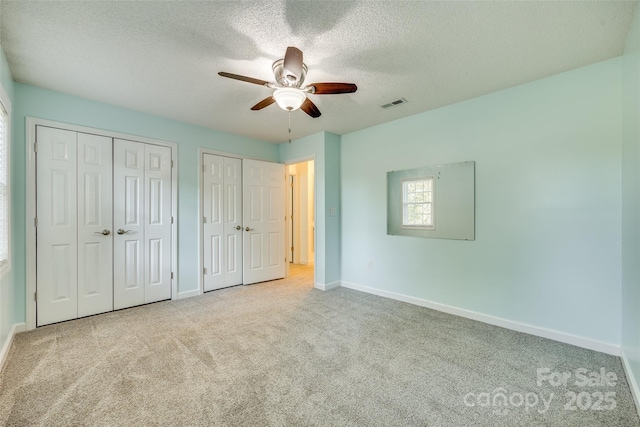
(290, 94)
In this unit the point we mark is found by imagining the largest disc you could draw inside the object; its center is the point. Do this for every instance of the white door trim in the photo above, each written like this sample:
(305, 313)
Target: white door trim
(30, 132)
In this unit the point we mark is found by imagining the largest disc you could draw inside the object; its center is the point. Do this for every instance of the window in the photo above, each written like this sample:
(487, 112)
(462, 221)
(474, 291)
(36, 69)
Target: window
(4, 183)
(417, 203)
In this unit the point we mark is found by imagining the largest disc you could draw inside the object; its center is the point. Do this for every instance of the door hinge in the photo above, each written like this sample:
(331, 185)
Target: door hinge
(35, 296)
(35, 147)
(172, 275)
(204, 219)
(171, 163)
(204, 168)
(292, 248)
(171, 220)
(205, 270)
(35, 221)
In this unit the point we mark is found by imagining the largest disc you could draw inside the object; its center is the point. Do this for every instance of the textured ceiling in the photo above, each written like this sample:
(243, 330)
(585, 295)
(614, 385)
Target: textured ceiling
(163, 57)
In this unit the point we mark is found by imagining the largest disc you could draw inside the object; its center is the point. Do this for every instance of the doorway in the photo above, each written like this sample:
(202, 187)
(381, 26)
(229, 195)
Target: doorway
(301, 213)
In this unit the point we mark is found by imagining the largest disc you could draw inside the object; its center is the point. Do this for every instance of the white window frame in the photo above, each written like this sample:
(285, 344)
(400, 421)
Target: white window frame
(432, 203)
(5, 264)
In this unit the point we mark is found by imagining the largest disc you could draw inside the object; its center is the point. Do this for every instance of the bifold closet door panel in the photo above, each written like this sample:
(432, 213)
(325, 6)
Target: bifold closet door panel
(232, 221)
(57, 236)
(213, 226)
(157, 227)
(95, 224)
(128, 223)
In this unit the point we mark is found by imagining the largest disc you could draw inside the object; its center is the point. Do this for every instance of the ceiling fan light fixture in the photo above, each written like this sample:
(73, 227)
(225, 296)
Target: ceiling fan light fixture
(289, 98)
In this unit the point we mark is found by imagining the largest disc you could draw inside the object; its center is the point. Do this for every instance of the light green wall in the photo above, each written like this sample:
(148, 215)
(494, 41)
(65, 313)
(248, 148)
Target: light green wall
(332, 200)
(8, 310)
(324, 147)
(548, 204)
(631, 201)
(40, 103)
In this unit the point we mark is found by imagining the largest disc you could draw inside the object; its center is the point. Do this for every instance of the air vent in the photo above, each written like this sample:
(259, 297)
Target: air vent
(395, 103)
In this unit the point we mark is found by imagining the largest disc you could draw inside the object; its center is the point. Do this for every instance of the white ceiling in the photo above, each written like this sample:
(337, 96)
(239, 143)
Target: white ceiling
(163, 57)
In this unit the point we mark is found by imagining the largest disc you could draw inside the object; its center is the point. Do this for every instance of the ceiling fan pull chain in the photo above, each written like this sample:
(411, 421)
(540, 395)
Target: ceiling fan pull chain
(289, 126)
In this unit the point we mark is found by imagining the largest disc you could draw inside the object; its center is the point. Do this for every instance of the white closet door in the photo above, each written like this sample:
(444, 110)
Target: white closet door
(57, 244)
(222, 231)
(213, 229)
(157, 227)
(95, 225)
(128, 223)
(263, 202)
(232, 221)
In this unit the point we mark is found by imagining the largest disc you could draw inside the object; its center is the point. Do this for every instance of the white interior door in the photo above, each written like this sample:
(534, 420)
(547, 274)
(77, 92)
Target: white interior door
(129, 224)
(95, 224)
(222, 231)
(264, 235)
(57, 242)
(157, 227)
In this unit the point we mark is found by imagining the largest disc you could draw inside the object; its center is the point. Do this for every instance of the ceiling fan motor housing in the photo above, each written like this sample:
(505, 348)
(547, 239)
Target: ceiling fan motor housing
(280, 75)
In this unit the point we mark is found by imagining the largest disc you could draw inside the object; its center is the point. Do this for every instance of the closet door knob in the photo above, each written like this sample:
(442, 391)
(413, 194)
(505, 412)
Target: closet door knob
(248, 229)
(121, 231)
(104, 232)
(238, 227)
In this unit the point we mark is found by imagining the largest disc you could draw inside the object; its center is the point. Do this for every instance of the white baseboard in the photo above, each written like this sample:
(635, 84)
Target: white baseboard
(188, 294)
(18, 327)
(564, 337)
(328, 286)
(633, 383)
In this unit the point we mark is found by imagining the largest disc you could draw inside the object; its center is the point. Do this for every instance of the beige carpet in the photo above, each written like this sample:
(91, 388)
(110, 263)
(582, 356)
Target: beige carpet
(284, 354)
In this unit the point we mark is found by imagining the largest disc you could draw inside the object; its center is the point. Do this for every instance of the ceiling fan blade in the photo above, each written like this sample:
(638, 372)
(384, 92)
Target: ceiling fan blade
(310, 108)
(264, 103)
(244, 78)
(332, 88)
(292, 66)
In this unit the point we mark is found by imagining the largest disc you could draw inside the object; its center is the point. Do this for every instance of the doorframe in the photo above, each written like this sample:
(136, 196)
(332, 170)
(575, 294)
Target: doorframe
(315, 209)
(295, 216)
(30, 260)
(289, 212)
